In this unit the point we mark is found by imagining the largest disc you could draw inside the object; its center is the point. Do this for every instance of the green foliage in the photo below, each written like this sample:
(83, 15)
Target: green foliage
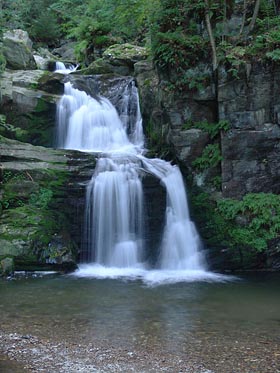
(103, 23)
(242, 225)
(45, 28)
(234, 57)
(274, 55)
(212, 128)
(259, 214)
(211, 157)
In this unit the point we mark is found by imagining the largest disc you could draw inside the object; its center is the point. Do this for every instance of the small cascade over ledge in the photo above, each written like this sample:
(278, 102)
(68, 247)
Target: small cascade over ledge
(115, 229)
(62, 68)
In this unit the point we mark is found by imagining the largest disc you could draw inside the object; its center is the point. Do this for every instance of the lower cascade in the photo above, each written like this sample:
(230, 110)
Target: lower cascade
(114, 239)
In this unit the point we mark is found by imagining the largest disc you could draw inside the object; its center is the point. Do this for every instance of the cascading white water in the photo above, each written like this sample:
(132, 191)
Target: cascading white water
(89, 125)
(114, 201)
(181, 243)
(130, 115)
(61, 68)
(114, 214)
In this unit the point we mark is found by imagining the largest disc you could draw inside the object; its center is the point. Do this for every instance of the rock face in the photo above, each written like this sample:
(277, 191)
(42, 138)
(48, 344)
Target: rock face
(250, 104)
(66, 51)
(42, 205)
(28, 106)
(250, 150)
(17, 50)
(168, 111)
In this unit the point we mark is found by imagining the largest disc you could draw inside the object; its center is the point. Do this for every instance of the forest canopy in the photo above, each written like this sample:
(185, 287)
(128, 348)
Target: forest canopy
(179, 32)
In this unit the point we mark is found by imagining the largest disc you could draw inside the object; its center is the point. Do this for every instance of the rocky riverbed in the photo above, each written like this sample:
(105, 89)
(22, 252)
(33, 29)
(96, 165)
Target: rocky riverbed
(29, 353)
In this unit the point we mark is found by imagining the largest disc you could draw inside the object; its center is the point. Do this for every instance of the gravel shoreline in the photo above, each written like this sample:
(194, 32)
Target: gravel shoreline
(39, 355)
(34, 354)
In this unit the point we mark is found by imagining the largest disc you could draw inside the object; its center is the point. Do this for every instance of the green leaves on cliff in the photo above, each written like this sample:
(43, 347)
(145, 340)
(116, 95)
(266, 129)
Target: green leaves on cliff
(247, 224)
(253, 221)
(211, 157)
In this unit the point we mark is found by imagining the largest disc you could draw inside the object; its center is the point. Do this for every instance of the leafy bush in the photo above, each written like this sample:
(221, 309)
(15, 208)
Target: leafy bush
(259, 214)
(212, 128)
(211, 157)
(241, 225)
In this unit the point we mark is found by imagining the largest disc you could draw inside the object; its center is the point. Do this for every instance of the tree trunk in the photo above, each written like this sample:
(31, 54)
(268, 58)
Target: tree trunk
(211, 36)
(243, 17)
(254, 17)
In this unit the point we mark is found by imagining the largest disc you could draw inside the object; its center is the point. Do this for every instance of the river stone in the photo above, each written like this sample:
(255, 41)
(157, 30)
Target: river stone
(7, 266)
(17, 50)
(11, 248)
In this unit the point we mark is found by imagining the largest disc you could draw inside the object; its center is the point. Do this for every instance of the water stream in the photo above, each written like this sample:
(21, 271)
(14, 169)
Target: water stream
(115, 207)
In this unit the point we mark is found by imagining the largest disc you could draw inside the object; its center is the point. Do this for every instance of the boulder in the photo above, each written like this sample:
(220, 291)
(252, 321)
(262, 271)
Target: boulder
(66, 52)
(29, 108)
(124, 56)
(7, 266)
(17, 50)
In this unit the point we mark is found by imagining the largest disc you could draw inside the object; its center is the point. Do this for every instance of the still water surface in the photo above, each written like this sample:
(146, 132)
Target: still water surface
(130, 314)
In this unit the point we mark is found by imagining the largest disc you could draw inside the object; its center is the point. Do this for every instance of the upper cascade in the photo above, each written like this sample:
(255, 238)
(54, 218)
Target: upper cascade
(92, 125)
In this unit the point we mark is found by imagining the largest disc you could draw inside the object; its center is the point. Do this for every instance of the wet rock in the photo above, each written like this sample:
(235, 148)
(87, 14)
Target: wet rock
(28, 106)
(250, 150)
(17, 50)
(42, 190)
(7, 266)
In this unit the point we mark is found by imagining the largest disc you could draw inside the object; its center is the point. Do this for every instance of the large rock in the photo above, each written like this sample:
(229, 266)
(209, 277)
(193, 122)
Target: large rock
(123, 57)
(28, 105)
(66, 52)
(17, 50)
(41, 192)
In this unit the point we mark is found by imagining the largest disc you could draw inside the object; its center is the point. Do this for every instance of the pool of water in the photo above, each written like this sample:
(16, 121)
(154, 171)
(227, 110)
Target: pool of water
(208, 316)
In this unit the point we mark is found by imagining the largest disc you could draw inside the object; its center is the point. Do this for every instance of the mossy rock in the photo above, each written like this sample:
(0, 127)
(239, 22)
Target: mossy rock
(128, 54)
(99, 66)
(51, 83)
(7, 266)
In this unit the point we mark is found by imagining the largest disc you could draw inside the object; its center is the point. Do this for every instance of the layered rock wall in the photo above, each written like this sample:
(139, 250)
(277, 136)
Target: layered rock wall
(250, 149)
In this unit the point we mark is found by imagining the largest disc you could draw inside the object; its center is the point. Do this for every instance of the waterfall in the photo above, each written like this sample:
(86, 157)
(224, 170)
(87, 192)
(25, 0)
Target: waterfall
(89, 125)
(115, 213)
(61, 68)
(181, 243)
(114, 205)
